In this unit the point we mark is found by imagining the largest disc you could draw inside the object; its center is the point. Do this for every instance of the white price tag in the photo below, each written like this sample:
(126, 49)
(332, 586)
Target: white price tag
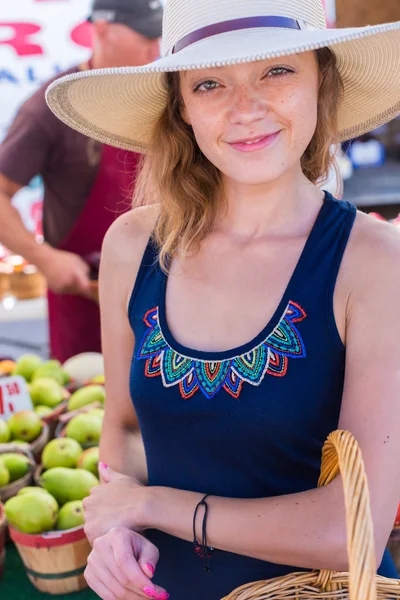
(14, 396)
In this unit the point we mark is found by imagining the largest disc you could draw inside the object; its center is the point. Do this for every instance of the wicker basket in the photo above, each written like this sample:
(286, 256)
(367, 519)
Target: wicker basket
(340, 452)
(54, 561)
(11, 489)
(27, 284)
(3, 527)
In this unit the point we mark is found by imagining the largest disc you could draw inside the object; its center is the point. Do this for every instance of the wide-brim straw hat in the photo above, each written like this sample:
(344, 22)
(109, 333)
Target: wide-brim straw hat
(120, 106)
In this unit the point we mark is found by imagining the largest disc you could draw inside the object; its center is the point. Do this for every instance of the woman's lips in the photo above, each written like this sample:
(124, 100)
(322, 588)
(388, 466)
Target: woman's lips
(256, 144)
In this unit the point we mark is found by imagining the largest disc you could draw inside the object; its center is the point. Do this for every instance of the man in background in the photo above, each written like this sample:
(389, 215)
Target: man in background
(86, 184)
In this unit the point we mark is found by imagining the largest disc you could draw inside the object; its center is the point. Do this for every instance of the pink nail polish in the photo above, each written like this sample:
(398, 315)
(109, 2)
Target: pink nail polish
(150, 592)
(150, 568)
(103, 465)
(163, 596)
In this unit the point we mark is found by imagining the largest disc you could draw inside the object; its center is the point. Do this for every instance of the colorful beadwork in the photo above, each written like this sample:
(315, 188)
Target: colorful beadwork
(269, 357)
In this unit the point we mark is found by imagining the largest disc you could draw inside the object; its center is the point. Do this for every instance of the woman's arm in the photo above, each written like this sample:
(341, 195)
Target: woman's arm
(307, 529)
(121, 445)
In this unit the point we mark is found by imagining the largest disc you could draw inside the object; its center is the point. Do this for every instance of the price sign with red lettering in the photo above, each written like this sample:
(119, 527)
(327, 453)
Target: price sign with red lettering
(14, 396)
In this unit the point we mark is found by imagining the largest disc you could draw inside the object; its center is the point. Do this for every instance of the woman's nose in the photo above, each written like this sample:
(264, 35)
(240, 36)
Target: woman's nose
(247, 106)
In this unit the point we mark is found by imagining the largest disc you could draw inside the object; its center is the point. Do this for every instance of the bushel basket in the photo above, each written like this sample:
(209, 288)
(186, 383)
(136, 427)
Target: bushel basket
(340, 453)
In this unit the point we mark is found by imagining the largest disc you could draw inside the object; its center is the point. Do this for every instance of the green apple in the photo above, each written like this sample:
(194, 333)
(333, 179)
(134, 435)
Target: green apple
(89, 460)
(46, 391)
(68, 484)
(87, 395)
(85, 429)
(5, 434)
(25, 426)
(61, 452)
(17, 464)
(70, 515)
(26, 365)
(4, 475)
(30, 513)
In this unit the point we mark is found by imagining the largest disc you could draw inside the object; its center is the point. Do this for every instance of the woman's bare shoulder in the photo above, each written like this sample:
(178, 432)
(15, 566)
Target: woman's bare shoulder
(122, 251)
(373, 256)
(128, 236)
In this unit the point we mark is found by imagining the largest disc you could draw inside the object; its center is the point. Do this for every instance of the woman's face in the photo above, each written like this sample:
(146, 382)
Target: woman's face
(253, 121)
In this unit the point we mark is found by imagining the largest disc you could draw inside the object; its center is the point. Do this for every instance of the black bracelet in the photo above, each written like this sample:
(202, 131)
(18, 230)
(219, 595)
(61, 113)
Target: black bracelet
(202, 550)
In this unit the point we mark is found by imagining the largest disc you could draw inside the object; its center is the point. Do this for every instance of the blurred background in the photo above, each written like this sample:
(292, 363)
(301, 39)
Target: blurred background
(41, 38)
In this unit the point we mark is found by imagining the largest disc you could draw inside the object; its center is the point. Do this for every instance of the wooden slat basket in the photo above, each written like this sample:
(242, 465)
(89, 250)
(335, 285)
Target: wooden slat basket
(340, 453)
(54, 561)
(11, 489)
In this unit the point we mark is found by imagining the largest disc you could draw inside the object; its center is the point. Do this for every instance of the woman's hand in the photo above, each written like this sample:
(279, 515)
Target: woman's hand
(121, 565)
(119, 502)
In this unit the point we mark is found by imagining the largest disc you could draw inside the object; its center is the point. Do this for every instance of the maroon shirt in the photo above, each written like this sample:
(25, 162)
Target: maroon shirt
(38, 143)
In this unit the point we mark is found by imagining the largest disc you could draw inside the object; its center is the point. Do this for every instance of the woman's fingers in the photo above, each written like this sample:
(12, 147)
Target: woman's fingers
(101, 565)
(129, 548)
(98, 586)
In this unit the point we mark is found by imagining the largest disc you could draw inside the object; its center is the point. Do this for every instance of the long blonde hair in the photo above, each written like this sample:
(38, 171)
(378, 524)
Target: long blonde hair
(177, 174)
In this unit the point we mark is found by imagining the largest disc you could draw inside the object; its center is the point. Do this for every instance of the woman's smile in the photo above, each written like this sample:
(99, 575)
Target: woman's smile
(255, 144)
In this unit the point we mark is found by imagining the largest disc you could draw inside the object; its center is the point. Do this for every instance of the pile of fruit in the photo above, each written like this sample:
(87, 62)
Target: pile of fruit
(84, 426)
(69, 462)
(68, 476)
(22, 428)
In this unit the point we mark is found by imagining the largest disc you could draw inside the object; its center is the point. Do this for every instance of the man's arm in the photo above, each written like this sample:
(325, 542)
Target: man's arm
(23, 154)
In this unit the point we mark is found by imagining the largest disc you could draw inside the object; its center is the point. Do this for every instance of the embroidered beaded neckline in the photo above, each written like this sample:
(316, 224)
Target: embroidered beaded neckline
(270, 357)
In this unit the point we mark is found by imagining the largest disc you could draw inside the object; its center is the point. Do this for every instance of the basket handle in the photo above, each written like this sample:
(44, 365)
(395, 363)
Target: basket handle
(341, 452)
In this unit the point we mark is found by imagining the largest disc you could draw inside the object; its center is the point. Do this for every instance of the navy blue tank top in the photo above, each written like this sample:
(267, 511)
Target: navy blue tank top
(244, 423)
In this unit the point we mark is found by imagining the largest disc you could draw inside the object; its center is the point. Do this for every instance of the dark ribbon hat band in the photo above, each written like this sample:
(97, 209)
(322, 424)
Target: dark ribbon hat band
(235, 25)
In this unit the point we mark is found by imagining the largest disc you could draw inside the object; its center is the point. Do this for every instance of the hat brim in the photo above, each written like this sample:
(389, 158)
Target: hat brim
(120, 106)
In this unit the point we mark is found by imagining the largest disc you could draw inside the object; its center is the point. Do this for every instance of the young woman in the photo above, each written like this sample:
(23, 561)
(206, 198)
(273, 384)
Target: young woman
(246, 314)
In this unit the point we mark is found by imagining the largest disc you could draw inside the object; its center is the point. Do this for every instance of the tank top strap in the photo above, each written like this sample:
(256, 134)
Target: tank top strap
(148, 284)
(316, 274)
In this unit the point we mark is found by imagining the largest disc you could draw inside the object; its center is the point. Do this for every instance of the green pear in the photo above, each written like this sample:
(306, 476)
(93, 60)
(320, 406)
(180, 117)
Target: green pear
(86, 395)
(50, 369)
(68, 484)
(25, 426)
(70, 515)
(5, 433)
(4, 475)
(30, 513)
(17, 464)
(46, 391)
(26, 365)
(38, 491)
(43, 411)
(61, 452)
(99, 379)
(85, 429)
(90, 460)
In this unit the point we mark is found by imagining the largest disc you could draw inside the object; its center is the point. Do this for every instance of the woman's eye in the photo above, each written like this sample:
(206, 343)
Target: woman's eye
(278, 72)
(206, 86)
